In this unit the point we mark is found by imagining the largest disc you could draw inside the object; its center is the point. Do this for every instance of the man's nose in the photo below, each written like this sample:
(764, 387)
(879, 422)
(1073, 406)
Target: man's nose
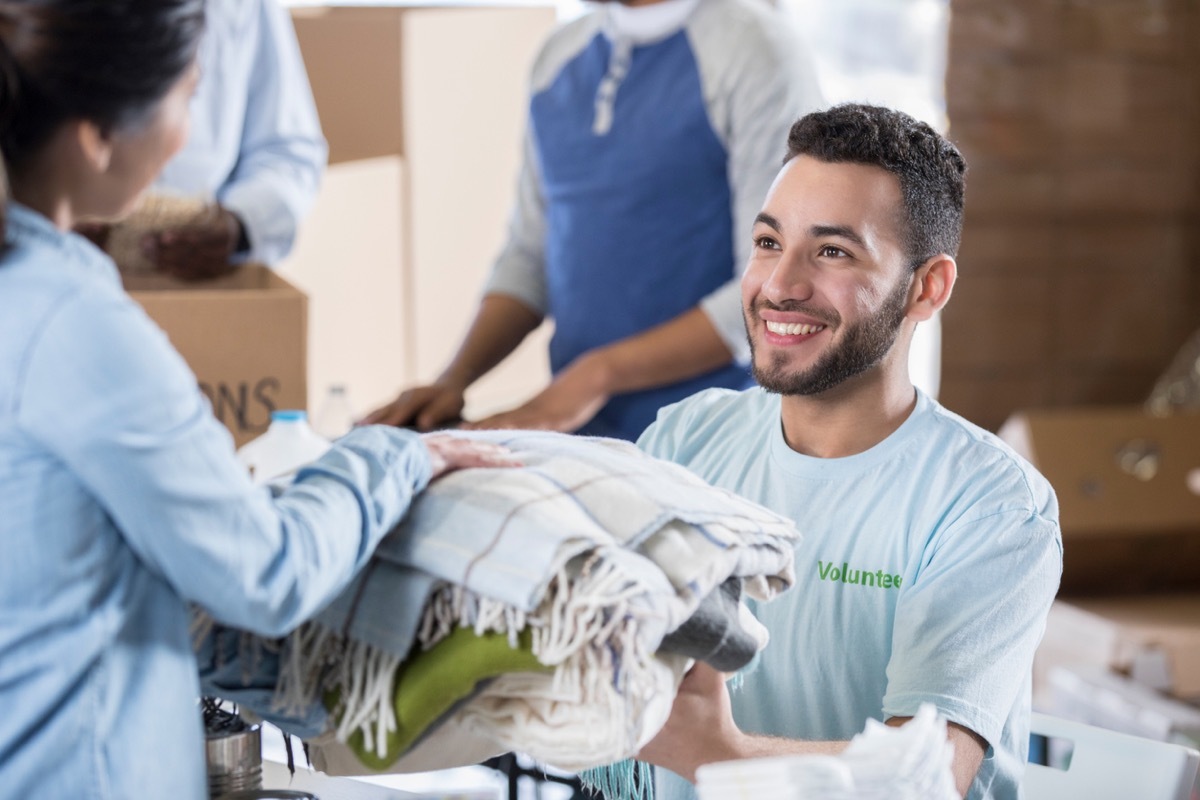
(791, 278)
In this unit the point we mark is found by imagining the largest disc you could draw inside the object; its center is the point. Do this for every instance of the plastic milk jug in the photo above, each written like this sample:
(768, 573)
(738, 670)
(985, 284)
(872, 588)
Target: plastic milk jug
(336, 417)
(288, 444)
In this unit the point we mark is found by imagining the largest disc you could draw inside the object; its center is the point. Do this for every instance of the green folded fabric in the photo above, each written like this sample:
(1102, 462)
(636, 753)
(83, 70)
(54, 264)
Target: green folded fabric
(431, 684)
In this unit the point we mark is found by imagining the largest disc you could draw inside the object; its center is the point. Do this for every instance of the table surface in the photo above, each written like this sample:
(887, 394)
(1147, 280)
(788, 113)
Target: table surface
(275, 776)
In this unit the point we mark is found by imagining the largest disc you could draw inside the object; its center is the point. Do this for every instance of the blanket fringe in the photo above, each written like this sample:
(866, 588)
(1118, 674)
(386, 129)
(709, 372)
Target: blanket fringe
(625, 780)
(587, 627)
(366, 702)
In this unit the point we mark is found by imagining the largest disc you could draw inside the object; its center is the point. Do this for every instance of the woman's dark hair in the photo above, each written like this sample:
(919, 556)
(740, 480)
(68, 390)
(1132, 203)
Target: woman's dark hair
(930, 168)
(106, 61)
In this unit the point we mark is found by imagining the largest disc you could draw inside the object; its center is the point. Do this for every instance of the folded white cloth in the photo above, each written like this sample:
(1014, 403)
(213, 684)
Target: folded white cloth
(910, 762)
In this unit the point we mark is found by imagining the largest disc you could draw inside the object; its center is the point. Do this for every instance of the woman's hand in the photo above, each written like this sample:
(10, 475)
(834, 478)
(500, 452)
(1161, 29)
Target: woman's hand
(448, 453)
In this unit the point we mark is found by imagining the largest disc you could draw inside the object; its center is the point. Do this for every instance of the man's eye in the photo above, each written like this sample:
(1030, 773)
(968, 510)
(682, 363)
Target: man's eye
(766, 242)
(829, 251)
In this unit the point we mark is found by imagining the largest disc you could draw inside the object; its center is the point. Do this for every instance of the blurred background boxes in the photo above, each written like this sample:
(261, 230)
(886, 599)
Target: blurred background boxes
(1154, 640)
(1090, 694)
(1080, 260)
(244, 335)
(424, 110)
(1130, 522)
(1122, 642)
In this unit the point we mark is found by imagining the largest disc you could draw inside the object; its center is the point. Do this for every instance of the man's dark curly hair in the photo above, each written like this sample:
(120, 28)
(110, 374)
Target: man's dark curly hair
(929, 167)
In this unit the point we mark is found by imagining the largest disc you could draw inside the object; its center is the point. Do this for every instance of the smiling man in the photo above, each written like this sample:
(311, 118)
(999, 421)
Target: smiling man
(933, 551)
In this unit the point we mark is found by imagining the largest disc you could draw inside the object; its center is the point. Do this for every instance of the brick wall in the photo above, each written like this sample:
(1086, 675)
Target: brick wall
(1079, 273)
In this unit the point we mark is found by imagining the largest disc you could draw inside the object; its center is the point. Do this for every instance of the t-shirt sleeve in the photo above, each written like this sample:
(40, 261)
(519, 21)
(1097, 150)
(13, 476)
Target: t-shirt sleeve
(520, 269)
(283, 152)
(761, 80)
(662, 438)
(967, 625)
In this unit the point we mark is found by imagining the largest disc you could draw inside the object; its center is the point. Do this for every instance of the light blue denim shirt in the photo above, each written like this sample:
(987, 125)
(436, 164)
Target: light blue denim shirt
(121, 501)
(255, 143)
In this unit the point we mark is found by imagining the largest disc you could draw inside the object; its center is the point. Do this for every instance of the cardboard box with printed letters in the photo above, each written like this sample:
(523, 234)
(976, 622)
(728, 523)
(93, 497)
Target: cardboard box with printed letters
(243, 335)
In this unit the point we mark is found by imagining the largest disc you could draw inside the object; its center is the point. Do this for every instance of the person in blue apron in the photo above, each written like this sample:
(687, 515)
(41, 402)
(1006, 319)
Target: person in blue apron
(653, 133)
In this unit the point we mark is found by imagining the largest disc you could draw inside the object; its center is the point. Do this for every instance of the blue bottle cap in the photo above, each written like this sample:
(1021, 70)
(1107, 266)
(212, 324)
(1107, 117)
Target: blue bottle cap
(289, 415)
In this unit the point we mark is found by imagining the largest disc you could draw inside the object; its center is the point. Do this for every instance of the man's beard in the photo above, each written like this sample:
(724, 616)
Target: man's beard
(864, 345)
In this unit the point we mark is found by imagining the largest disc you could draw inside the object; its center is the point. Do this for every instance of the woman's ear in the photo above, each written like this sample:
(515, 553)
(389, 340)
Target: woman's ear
(95, 145)
(933, 282)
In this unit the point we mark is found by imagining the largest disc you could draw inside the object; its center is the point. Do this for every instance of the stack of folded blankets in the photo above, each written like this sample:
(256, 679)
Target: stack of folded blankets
(550, 608)
(911, 762)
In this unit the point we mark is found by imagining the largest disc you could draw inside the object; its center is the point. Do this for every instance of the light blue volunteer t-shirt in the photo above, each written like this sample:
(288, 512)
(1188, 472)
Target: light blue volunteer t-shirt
(927, 569)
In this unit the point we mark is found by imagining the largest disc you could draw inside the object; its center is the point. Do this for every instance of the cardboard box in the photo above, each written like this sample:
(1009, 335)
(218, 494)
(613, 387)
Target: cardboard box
(1130, 521)
(1152, 640)
(244, 335)
(354, 67)
(1129, 604)
(424, 109)
(1109, 700)
(348, 260)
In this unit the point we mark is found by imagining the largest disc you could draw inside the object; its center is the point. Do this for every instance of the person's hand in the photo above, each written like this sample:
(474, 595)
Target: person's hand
(700, 729)
(95, 232)
(570, 401)
(423, 407)
(447, 453)
(199, 250)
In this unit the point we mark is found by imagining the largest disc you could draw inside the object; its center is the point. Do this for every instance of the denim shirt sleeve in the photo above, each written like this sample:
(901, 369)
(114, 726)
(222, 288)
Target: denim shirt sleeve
(103, 391)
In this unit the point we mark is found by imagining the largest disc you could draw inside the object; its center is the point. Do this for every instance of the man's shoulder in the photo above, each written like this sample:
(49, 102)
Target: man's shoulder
(703, 420)
(987, 462)
(717, 403)
(744, 17)
(581, 28)
(967, 436)
(748, 49)
(732, 26)
(563, 44)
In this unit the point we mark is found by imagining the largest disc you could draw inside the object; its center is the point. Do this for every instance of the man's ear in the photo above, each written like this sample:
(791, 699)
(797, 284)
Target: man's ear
(932, 284)
(95, 145)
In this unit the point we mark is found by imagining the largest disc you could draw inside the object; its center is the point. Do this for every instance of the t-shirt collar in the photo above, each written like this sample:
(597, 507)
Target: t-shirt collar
(832, 468)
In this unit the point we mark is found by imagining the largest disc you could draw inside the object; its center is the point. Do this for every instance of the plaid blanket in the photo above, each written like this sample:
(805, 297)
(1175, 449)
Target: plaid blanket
(593, 549)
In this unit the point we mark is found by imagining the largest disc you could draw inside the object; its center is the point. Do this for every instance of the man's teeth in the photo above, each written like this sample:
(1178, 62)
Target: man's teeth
(790, 329)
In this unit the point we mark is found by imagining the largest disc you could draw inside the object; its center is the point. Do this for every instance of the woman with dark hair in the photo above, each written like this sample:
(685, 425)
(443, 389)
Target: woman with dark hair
(121, 500)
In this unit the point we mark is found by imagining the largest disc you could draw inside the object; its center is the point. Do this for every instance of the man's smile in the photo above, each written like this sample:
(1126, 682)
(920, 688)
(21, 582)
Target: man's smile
(792, 328)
